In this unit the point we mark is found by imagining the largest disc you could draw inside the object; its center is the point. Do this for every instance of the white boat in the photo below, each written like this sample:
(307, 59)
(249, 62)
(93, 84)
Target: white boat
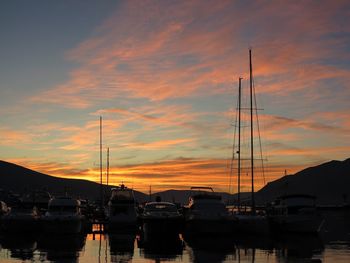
(295, 214)
(161, 218)
(63, 216)
(121, 211)
(206, 213)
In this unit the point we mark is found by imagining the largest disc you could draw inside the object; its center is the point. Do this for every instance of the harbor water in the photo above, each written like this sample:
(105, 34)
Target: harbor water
(332, 244)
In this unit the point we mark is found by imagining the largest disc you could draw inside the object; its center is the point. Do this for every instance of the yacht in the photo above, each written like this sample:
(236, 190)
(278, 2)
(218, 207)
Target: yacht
(295, 213)
(23, 216)
(206, 213)
(121, 211)
(63, 216)
(161, 218)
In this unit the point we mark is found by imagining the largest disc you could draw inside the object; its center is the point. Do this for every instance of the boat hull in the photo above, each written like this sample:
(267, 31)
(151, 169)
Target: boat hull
(296, 224)
(20, 224)
(162, 226)
(63, 225)
(122, 224)
(209, 226)
(252, 224)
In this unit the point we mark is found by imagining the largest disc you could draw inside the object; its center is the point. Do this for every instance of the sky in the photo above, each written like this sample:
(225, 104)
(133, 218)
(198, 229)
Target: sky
(164, 77)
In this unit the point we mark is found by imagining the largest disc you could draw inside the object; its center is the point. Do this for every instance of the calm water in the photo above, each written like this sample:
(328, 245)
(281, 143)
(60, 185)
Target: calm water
(332, 245)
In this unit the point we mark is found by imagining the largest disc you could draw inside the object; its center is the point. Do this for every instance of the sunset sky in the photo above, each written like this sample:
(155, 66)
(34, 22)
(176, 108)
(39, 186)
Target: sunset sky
(163, 75)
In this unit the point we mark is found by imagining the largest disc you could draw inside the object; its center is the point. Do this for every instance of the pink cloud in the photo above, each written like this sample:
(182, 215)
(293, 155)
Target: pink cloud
(149, 45)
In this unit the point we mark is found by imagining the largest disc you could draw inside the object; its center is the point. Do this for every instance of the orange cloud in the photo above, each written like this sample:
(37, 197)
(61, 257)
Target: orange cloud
(174, 50)
(10, 137)
(181, 173)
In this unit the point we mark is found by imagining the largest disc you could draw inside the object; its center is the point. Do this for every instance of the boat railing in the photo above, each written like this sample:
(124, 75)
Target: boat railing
(202, 188)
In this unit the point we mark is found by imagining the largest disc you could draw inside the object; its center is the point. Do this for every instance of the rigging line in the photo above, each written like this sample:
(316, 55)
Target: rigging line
(251, 130)
(259, 135)
(233, 150)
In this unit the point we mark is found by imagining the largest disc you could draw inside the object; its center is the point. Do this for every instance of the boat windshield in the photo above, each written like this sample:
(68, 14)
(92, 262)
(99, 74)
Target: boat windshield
(122, 195)
(160, 208)
(209, 206)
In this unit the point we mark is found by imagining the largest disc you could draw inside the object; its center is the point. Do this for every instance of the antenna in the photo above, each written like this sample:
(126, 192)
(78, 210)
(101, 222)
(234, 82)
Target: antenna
(150, 193)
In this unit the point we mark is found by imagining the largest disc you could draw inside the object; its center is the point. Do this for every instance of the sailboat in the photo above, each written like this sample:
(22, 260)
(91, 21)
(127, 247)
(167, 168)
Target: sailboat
(248, 221)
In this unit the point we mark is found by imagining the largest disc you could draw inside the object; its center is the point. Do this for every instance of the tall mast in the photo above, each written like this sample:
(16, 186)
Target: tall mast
(101, 186)
(107, 166)
(251, 129)
(239, 142)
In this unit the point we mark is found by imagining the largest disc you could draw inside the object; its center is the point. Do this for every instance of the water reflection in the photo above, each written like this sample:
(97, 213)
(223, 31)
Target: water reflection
(20, 246)
(121, 247)
(160, 248)
(297, 247)
(58, 248)
(286, 248)
(332, 245)
(209, 248)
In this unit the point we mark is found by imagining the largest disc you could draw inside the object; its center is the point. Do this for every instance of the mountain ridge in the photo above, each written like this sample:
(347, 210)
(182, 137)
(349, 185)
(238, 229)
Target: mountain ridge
(11, 174)
(328, 181)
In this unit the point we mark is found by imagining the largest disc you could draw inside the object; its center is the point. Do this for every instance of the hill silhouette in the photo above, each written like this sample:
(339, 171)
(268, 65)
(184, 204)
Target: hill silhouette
(329, 182)
(19, 179)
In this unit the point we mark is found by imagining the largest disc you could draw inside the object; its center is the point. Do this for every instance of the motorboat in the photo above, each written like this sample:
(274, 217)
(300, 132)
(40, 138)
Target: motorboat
(161, 218)
(22, 217)
(295, 213)
(121, 211)
(206, 213)
(63, 216)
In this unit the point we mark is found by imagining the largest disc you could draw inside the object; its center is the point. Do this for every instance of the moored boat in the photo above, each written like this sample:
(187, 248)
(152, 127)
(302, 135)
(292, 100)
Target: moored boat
(121, 210)
(295, 213)
(206, 213)
(161, 218)
(63, 216)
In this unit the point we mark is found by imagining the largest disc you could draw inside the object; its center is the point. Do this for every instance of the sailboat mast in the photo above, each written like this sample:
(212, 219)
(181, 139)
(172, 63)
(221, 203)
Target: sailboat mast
(251, 130)
(107, 166)
(101, 186)
(239, 142)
